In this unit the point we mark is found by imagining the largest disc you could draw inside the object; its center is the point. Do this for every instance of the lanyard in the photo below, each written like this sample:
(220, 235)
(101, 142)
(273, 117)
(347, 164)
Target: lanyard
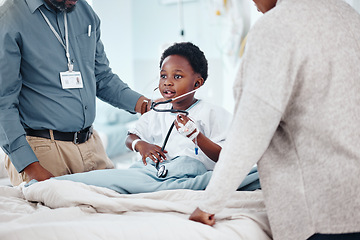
(66, 45)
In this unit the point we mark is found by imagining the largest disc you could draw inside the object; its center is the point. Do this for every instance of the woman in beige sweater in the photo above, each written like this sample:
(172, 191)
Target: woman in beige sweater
(297, 116)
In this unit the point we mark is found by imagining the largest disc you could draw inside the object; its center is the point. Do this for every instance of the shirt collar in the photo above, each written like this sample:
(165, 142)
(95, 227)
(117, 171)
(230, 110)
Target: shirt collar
(35, 4)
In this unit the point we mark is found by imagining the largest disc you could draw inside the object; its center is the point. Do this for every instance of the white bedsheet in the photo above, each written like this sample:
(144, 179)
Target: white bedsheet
(67, 210)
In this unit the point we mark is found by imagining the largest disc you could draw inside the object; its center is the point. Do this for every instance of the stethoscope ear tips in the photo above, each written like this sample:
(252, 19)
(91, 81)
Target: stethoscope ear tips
(162, 172)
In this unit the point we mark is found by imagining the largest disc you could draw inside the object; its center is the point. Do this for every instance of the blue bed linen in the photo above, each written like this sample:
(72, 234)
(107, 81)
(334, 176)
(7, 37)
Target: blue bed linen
(251, 181)
(183, 173)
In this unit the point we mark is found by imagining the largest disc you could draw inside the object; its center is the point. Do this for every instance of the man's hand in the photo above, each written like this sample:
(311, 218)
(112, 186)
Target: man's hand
(202, 217)
(143, 105)
(37, 172)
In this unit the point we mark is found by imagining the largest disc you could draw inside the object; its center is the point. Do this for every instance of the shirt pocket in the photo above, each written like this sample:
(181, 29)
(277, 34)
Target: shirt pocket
(87, 46)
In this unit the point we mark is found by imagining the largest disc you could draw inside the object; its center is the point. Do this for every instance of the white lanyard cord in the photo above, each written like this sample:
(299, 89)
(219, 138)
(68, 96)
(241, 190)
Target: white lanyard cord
(66, 45)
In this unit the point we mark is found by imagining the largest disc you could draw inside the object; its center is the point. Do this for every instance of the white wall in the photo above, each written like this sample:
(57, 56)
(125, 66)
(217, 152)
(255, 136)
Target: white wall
(117, 35)
(157, 26)
(135, 32)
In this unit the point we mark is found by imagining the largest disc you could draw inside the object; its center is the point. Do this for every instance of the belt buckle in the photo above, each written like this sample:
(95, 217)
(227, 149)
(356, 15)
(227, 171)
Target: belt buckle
(87, 136)
(89, 133)
(75, 138)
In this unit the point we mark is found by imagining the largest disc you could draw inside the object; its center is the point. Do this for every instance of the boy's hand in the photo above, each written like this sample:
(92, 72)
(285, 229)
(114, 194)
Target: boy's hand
(150, 150)
(186, 126)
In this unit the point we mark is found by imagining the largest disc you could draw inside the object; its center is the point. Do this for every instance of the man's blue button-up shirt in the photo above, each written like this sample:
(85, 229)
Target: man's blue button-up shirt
(31, 59)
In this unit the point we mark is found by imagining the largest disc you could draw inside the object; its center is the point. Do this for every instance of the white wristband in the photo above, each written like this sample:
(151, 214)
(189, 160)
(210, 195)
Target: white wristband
(134, 143)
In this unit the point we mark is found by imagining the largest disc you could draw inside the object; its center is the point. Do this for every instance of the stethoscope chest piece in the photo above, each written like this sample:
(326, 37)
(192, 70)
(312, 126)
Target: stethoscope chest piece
(162, 172)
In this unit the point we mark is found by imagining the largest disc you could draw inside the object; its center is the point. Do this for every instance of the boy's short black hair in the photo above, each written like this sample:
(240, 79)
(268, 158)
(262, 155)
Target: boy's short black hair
(192, 53)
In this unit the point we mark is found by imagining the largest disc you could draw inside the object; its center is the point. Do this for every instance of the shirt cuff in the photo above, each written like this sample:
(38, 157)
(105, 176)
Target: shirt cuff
(129, 100)
(22, 157)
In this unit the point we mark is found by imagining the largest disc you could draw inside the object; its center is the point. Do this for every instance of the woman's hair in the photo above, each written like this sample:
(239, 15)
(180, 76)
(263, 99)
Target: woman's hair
(192, 53)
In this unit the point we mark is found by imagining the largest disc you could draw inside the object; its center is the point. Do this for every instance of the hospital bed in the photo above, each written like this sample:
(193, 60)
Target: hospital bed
(56, 209)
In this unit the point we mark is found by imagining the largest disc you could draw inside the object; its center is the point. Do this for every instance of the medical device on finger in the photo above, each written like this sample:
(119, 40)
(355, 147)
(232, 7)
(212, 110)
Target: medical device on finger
(188, 130)
(162, 171)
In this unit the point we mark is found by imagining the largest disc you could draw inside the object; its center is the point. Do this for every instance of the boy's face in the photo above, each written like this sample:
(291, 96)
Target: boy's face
(177, 77)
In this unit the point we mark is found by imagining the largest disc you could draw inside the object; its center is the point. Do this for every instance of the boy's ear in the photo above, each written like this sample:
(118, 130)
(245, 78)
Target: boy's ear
(199, 82)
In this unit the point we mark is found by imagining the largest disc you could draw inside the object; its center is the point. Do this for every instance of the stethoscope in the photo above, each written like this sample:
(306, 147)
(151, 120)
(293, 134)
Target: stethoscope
(161, 170)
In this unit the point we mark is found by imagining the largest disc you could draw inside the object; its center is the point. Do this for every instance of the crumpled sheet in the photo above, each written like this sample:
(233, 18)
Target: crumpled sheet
(63, 209)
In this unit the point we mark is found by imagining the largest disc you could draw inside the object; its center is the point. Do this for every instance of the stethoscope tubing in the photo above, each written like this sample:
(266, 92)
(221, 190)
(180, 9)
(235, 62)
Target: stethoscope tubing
(162, 171)
(165, 141)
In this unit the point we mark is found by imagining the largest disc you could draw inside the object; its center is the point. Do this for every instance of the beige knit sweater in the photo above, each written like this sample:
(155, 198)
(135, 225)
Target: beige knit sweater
(297, 115)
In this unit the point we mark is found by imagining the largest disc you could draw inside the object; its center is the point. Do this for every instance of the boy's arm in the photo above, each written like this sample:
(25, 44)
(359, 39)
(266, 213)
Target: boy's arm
(211, 149)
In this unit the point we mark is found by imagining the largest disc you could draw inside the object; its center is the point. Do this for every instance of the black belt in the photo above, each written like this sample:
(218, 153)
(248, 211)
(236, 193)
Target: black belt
(75, 137)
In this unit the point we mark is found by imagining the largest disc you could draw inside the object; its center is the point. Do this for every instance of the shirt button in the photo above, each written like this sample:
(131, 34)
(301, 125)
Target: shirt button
(72, 60)
(86, 107)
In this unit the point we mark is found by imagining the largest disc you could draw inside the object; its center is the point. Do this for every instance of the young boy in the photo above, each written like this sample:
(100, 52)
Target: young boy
(183, 68)
(193, 145)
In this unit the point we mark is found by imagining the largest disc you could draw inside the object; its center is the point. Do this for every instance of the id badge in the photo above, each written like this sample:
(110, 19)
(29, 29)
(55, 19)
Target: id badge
(71, 80)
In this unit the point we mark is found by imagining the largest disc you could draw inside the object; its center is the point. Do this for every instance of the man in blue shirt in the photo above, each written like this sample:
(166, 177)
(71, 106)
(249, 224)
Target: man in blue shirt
(52, 68)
